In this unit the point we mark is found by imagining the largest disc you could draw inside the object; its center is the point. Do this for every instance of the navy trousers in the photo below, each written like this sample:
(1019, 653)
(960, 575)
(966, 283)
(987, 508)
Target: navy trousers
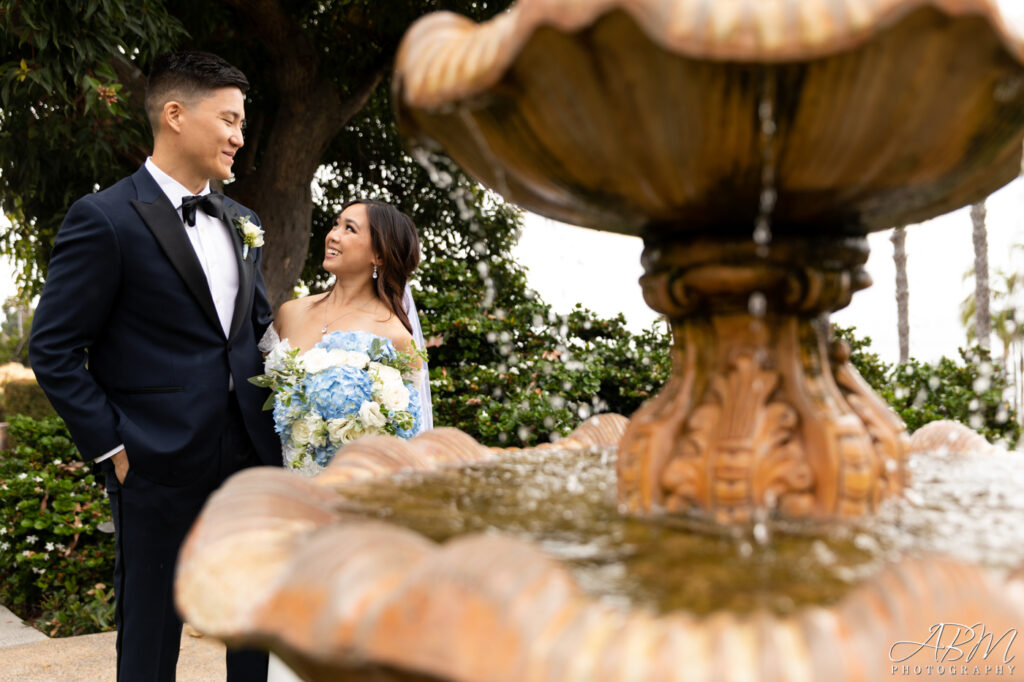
(150, 522)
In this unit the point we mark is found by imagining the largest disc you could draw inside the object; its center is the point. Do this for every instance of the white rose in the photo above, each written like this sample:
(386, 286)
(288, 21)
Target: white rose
(252, 234)
(357, 359)
(371, 416)
(388, 387)
(316, 360)
(308, 431)
(395, 396)
(336, 429)
(351, 431)
(383, 374)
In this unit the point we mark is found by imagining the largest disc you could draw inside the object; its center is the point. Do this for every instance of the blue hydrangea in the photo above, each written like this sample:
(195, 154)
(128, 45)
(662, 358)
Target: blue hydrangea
(417, 414)
(358, 341)
(338, 392)
(285, 414)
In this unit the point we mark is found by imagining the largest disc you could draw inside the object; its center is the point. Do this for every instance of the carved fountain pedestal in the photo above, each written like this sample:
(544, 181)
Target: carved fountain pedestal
(762, 411)
(697, 125)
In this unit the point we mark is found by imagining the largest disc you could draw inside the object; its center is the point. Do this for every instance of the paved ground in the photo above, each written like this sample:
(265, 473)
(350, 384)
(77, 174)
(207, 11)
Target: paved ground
(29, 656)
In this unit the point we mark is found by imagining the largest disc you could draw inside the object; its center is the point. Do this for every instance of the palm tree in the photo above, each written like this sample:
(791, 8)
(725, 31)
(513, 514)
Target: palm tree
(1005, 323)
(982, 316)
(899, 255)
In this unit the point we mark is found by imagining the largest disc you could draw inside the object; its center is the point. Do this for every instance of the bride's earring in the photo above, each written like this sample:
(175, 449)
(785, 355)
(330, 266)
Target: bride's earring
(375, 271)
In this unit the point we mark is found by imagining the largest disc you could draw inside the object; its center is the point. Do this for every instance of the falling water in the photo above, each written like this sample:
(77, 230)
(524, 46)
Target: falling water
(441, 172)
(757, 303)
(766, 148)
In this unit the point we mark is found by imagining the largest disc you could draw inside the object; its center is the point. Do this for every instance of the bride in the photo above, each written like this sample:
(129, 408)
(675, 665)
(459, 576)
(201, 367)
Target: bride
(371, 251)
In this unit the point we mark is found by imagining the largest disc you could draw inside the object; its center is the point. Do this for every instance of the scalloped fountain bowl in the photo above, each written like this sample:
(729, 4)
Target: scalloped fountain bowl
(438, 559)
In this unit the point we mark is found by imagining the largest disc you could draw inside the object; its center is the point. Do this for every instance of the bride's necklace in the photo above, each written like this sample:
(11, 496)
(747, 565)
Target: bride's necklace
(327, 304)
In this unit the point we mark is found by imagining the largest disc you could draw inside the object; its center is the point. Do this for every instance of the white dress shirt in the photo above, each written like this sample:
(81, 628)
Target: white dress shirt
(211, 239)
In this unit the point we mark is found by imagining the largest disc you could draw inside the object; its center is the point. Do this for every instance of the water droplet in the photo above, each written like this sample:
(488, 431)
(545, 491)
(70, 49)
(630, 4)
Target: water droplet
(761, 535)
(762, 231)
(757, 304)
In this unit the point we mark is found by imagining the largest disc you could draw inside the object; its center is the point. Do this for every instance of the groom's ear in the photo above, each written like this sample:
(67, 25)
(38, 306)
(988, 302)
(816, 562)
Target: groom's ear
(171, 116)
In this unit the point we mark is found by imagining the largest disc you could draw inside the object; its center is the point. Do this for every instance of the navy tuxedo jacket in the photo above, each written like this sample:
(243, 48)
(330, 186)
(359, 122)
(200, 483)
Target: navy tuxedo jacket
(127, 344)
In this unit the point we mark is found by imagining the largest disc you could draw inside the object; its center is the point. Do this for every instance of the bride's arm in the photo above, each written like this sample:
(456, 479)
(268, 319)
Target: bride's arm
(405, 343)
(278, 329)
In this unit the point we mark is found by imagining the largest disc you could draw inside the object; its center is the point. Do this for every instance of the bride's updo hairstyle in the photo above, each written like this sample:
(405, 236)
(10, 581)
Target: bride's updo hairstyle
(393, 239)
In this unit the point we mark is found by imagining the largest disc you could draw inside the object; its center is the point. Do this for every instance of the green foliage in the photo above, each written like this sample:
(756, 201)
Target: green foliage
(874, 370)
(66, 122)
(54, 561)
(970, 391)
(25, 397)
(511, 372)
(14, 332)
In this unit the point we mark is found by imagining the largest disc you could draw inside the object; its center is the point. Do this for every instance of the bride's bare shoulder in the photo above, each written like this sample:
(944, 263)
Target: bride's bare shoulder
(399, 335)
(294, 310)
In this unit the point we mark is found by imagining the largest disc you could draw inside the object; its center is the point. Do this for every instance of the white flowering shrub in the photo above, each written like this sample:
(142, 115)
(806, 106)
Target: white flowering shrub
(55, 564)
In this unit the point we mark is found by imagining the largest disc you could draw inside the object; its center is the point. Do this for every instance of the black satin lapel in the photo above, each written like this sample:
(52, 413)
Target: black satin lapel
(163, 221)
(244, 273)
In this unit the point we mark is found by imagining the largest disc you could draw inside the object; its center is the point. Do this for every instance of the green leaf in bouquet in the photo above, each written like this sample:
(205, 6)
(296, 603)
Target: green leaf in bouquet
(262, 380)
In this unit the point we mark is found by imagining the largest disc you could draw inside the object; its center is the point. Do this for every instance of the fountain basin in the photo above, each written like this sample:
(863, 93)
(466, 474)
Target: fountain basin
(641, 116)
(300, 566)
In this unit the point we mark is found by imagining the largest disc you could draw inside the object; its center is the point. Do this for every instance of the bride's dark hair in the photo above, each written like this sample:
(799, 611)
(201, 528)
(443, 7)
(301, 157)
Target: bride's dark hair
(393, 239)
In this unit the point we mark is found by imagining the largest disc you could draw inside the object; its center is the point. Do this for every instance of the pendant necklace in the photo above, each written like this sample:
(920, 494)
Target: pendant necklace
(323, 329)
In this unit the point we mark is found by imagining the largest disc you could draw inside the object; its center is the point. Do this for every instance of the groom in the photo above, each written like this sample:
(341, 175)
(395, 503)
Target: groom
(144, 338)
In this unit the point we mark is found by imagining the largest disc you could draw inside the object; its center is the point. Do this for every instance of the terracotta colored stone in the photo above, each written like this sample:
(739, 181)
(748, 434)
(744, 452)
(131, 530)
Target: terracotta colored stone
(950, 437)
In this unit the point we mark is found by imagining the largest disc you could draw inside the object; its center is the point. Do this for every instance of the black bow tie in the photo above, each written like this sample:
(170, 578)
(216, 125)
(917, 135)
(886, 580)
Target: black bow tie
(212, 204)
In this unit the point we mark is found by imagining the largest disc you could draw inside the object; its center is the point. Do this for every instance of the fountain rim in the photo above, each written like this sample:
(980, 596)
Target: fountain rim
(360, 610)
(446, 57)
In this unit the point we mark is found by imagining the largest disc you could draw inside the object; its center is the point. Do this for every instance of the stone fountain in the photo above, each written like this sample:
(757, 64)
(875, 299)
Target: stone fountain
(753, 146)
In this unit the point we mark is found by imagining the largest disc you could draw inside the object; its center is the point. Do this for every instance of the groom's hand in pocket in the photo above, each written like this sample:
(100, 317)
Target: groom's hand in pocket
(121, 465)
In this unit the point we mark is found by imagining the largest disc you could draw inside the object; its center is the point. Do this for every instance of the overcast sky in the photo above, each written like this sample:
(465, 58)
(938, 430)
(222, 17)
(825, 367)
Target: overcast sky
(569, 264)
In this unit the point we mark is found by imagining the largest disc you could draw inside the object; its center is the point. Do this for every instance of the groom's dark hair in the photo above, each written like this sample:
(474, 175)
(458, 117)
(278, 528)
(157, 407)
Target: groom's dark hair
(185, 77)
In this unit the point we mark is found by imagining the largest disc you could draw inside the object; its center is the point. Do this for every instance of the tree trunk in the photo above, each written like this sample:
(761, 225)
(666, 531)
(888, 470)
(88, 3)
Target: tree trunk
(982, 316)
(310, 113)
(899, 256)
(279, 188)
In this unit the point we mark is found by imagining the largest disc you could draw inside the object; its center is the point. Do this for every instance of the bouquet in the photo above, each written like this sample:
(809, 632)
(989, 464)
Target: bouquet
(351, 384)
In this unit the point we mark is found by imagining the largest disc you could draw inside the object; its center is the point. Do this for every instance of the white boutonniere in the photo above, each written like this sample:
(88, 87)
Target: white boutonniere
(252, 235)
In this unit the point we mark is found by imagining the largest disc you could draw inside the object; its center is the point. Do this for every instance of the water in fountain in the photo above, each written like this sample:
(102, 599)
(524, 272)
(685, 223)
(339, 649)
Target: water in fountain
(968, 507)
